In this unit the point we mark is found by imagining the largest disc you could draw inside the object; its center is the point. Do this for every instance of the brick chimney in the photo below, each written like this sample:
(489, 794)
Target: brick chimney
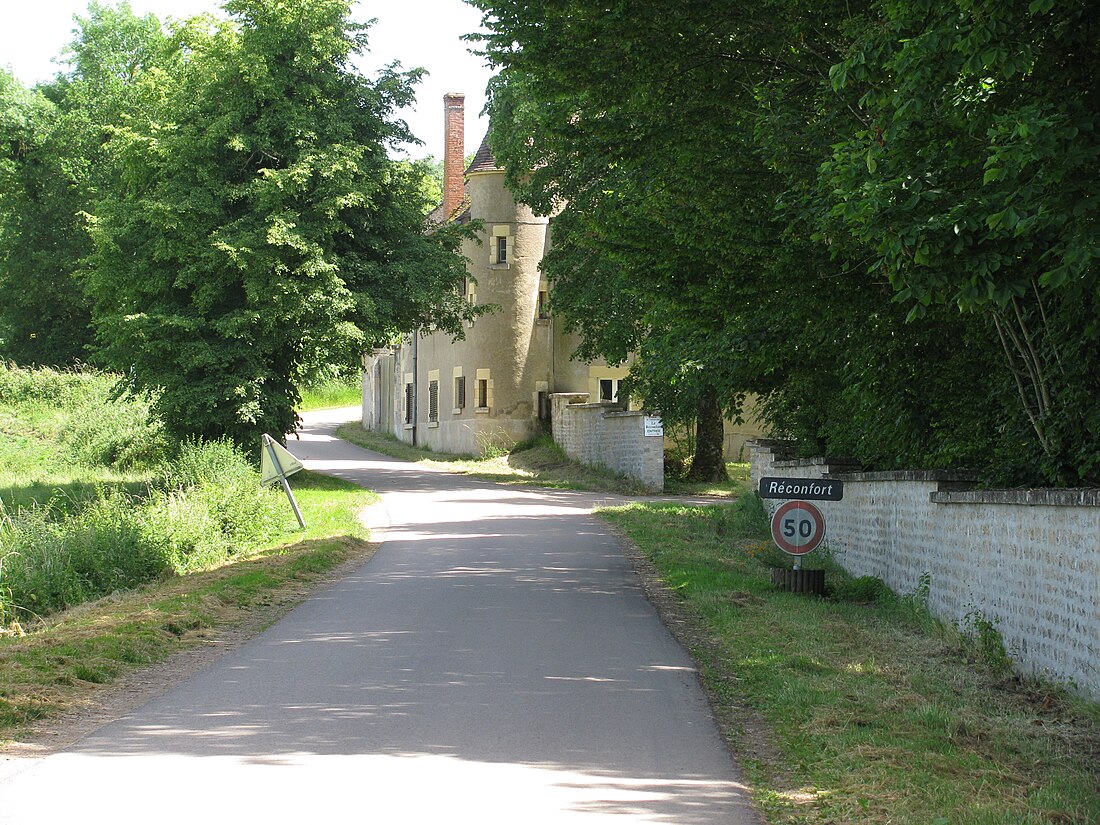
(454, 188)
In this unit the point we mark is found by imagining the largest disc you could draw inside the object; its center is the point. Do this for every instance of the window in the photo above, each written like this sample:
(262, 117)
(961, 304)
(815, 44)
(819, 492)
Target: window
(433, 401)
(483, 391)
(609, 389)
(500, 246)
(543, 305)
(410, 402)
(460, 391)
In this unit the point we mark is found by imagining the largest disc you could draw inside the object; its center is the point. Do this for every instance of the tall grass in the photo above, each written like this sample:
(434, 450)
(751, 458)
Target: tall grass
(98, 501)
(331, 393)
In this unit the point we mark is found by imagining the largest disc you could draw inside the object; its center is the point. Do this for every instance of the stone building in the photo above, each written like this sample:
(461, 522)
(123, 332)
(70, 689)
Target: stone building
(493, 388)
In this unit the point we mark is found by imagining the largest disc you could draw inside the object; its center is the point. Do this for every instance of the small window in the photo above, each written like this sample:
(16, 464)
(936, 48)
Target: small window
(483, 392)
(460, 392)
(409, 403)
(502, 250)
(433, 402)
(609, 389)
(544, 305)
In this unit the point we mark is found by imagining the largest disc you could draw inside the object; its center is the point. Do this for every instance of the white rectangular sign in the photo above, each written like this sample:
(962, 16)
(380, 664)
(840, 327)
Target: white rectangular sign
(654, 426)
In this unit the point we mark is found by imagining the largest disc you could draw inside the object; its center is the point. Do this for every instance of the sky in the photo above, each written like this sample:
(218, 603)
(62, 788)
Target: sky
(418, 33)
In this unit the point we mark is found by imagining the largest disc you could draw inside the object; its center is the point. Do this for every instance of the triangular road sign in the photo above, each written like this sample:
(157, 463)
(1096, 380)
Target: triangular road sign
(276, 461)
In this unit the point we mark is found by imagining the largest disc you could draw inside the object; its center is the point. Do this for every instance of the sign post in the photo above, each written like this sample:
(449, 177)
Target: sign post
(276, 462)
(798, 526)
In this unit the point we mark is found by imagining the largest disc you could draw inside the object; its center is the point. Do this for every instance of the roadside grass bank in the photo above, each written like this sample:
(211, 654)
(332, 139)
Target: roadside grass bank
(58, 664)
(118, 548)
(94, 499)
(871, 711)
(330, 394)
(538, 462)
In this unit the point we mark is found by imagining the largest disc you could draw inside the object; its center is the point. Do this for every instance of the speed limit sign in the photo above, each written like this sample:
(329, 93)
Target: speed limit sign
(798, 527)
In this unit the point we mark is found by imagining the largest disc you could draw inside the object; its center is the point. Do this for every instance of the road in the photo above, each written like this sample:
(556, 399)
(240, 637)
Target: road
(496, 661)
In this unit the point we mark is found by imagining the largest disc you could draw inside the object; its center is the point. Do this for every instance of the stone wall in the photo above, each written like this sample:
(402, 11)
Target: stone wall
(1028, 560)
(601, 435)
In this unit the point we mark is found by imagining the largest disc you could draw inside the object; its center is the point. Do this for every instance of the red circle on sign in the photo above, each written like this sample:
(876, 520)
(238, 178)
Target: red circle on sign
(798, 527)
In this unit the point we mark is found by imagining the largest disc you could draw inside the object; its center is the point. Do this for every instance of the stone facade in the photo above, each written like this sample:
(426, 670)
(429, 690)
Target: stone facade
(601, 434)
(493, 388)
(1027, 560)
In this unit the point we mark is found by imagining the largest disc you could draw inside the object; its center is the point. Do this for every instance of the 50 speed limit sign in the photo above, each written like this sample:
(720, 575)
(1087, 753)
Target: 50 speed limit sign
(798, 527)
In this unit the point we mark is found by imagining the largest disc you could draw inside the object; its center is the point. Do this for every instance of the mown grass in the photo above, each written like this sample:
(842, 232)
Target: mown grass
(879, 714)
(539, 462)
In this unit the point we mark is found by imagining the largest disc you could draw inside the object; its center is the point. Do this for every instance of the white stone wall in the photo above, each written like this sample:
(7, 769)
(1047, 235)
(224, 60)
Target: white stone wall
(602, 436)
(1028, 560)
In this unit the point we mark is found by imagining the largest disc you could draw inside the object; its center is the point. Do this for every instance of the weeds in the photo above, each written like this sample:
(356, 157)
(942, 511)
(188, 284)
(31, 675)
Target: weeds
(990, 643)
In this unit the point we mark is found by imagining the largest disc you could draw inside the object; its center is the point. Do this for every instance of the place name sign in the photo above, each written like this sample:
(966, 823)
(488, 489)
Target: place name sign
(805, 489)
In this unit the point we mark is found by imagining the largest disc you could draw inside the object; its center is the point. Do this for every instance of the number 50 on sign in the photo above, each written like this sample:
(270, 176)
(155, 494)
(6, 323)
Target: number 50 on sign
(798, 527)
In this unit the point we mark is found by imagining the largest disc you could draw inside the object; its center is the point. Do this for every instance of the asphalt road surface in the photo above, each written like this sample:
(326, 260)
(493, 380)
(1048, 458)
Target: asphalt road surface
(495, 662)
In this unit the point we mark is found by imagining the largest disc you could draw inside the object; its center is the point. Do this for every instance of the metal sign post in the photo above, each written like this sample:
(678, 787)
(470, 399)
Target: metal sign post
(798, 527)
(272, 468)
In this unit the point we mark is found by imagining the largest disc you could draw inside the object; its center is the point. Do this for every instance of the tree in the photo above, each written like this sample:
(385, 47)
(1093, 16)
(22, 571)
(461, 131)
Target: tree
(44, 313)
(260, 223)
(972, 182)
(783, 181)
(604, 116)
(55, 164)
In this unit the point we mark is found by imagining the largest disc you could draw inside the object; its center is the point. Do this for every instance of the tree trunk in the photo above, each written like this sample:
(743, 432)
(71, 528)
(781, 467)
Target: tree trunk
(708, 463)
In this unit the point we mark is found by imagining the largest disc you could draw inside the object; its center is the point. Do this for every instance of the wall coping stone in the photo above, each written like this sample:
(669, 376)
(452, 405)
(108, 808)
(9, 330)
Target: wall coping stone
(1049, 497)
(593, 405)
(624, 414)
(817, 461)
(940, 476)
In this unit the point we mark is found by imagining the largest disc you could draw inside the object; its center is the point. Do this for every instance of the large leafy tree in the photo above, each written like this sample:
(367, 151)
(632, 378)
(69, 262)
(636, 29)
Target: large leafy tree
(260, 223)
(972, 182)
(44, 316)
(745, 190)
(632, 121)
(56, 165)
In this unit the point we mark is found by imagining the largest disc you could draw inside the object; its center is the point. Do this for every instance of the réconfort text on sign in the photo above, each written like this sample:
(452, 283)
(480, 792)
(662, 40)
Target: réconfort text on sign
(813, 489)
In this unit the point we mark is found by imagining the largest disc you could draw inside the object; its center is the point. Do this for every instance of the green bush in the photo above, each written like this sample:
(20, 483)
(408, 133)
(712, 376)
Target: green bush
(18, 385)
(212, 506)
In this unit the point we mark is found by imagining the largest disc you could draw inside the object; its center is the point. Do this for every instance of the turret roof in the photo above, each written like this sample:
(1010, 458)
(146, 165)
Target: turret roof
(484, 161)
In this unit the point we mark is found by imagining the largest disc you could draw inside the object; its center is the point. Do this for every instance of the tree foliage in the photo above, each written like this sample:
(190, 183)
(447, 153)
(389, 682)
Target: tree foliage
(239, 219)
(797, 200)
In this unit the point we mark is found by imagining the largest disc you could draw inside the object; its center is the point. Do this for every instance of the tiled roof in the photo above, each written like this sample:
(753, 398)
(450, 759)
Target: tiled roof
(484, 161)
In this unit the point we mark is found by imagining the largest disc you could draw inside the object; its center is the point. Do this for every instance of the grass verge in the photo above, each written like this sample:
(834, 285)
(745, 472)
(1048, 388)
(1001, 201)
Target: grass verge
(540, 463)
(60, 664)
(327, 395)
(872, 712)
